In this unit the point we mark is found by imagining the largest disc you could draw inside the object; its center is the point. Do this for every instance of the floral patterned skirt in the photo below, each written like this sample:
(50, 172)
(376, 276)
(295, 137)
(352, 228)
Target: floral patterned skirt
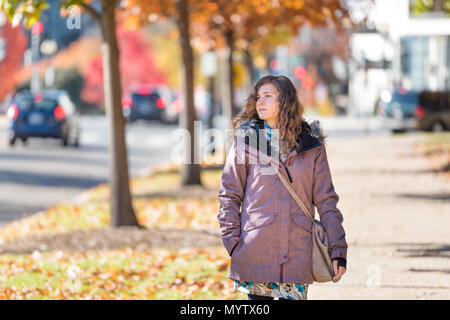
(291, 291)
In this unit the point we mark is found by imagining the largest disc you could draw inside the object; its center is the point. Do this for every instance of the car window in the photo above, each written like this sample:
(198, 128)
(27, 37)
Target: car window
(145, 97)
(435, 100)
(405, 98)
(33, 104)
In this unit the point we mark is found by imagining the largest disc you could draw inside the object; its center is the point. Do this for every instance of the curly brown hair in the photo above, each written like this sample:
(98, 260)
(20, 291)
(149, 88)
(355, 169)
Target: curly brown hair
(289, 113)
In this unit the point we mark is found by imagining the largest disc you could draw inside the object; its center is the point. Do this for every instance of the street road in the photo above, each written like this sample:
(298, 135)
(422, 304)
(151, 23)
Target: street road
(43, 173)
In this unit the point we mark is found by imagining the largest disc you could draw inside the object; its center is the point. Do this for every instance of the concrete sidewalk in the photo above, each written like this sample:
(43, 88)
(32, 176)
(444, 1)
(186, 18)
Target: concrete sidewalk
(396, 216)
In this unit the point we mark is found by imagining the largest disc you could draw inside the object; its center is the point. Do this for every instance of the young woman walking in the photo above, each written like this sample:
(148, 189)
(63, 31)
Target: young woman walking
(265, 232)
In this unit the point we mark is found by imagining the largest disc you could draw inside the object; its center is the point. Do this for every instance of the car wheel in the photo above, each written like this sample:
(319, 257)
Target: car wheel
(437, 127)
(65, 141)
(76, 143)
(11, 142)
(24, 141)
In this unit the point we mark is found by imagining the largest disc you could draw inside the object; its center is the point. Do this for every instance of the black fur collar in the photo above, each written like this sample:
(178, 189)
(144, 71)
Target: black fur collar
(313, 134)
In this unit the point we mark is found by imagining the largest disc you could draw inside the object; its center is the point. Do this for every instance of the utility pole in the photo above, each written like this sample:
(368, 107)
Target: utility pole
(36, 31)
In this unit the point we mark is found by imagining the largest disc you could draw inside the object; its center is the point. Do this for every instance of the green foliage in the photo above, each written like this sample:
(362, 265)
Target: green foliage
(419, 7)
(29, 11)
(158, 273)
(279, 36)
(72, 81)
(69, 80)
(68, 3)
(26, 85)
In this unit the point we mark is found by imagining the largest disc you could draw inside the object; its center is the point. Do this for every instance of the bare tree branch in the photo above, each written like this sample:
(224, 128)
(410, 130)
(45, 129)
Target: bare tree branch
(94, 13)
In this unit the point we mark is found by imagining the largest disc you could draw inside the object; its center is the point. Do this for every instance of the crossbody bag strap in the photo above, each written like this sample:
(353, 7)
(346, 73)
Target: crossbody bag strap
(292, 192)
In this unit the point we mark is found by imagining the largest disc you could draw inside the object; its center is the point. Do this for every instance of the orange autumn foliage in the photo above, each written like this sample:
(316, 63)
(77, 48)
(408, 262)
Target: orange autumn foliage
(15, 45)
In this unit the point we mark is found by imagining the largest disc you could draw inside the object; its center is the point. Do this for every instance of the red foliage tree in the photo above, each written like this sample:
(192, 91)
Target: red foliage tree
(137, 65)
(15, 44)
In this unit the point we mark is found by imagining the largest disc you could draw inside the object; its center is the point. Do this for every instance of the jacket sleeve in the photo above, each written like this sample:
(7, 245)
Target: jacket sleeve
(231, 194)
(325, 199)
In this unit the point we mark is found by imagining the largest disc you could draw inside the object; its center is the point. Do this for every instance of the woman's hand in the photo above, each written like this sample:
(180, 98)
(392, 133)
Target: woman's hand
(338, 271)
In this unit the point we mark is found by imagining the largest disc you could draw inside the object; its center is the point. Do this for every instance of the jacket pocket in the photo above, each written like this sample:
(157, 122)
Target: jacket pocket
(232, 250)
(302, 221)
(258, 220)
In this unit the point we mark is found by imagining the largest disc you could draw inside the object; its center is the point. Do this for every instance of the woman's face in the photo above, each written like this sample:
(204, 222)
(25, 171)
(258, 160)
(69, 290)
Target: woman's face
(267, 103)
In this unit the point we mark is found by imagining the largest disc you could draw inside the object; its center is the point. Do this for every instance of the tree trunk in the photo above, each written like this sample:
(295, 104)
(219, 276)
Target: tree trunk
(122, 213)
(250, 66)
(213, 109)
(190, 172)
(229, 36)
(438, 5)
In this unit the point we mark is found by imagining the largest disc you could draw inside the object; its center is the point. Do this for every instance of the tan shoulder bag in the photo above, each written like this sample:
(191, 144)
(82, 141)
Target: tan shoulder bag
(322, 268)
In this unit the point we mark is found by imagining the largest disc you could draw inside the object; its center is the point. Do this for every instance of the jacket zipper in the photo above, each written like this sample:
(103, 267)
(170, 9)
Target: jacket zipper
(289, 175)
(290, 179)
(281, 273)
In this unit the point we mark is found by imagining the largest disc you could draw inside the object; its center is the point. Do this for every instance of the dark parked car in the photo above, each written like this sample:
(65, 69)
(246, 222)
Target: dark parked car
(398, 110)
(146, 102)
(433, 111)
(45, 114)
(159, 102)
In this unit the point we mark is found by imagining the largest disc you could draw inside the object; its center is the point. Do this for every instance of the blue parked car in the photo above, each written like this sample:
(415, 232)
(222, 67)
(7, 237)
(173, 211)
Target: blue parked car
(45, 114)
(397, 110)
